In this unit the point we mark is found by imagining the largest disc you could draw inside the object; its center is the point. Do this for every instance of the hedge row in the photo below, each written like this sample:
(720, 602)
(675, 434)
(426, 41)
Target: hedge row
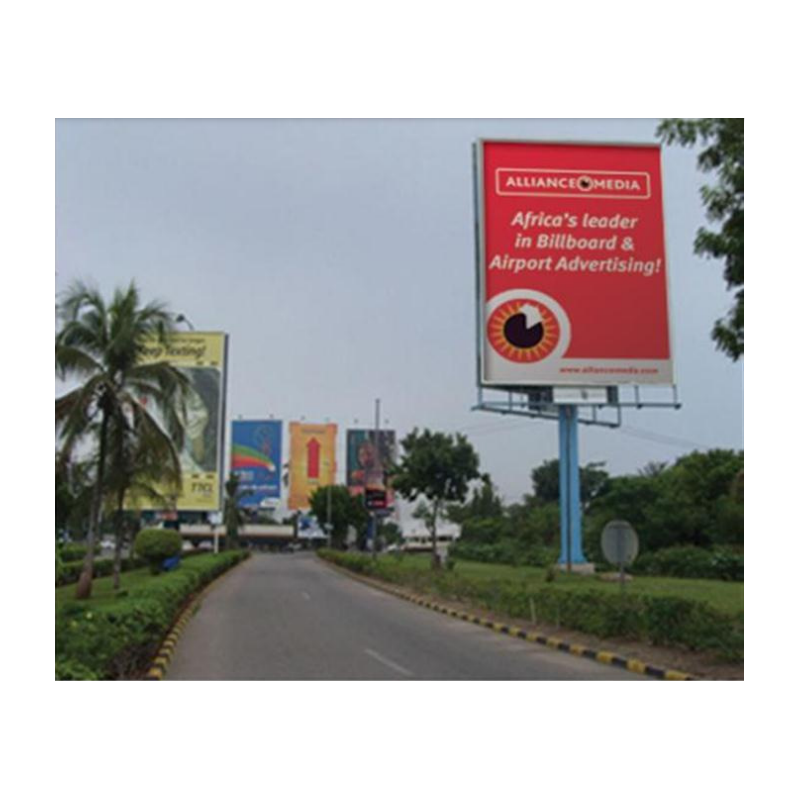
(718, 563)
(117, 639)
(70, 571)
(74, 552)
(506, 551)
(637, 616)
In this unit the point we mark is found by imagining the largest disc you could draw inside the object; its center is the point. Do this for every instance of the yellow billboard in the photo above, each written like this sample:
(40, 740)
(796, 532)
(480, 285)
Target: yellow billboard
(312, 461)
(201, 357)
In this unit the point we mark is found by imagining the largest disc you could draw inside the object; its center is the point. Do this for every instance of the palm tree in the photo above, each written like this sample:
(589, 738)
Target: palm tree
(141, 458)
(101, 344)
(233, 516)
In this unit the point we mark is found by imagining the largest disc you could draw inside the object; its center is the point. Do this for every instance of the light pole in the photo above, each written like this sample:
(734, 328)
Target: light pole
(184, 318)
(328, 526)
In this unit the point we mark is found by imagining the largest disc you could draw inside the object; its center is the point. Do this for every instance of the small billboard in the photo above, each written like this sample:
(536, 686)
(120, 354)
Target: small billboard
(312, 461)
(366, 463)
(256, 459)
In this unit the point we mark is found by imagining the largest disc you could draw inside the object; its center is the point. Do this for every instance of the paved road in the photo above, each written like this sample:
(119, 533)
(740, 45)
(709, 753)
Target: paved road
(292, 617)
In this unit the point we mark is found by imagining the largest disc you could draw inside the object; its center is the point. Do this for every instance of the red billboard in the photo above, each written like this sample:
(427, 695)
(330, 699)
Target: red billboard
(572, 271)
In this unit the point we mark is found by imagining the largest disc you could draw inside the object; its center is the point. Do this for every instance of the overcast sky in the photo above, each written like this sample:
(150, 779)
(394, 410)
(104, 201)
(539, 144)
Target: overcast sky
(339, 256)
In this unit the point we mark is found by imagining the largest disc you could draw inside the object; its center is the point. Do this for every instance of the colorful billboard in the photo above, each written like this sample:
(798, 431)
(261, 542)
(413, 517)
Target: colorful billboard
(256, 459)
(202, 358)
(572, 272)
(364, 469)
(312, 461)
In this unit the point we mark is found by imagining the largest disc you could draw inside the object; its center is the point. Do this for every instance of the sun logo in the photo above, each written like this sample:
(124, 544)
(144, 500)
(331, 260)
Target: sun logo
(523, 330)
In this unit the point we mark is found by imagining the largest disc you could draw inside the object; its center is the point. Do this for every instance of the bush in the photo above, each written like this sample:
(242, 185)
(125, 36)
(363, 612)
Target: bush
(68, 669)
(506, 551)
(156, 544)
(118, 638)
(692, 562)
(69, 572)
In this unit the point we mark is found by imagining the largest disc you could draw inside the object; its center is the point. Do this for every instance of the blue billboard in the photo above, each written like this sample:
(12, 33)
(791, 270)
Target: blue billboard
(256, 459)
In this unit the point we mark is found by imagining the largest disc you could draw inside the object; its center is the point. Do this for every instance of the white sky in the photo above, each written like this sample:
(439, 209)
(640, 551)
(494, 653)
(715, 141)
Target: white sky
(339, 256)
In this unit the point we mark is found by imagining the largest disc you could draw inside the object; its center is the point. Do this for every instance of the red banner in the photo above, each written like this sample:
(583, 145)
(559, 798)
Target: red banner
(572, 268)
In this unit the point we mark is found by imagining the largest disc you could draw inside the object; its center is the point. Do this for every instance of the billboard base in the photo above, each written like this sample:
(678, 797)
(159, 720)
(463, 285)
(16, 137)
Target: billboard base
(591, 406)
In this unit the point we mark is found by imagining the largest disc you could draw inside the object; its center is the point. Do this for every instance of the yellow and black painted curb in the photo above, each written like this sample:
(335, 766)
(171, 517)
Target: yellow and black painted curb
(158, 669)
(603, 656)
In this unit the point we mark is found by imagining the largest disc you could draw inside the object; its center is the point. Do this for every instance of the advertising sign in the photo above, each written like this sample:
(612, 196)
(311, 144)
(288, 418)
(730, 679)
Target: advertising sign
(365, 467)
(202, 358)
(572, 272)
(312, 461)
(256, 459)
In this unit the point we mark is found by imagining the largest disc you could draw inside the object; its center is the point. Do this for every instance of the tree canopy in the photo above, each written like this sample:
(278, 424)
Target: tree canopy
(723, 155)
(345, 510)
(101, 344)
(437, 466)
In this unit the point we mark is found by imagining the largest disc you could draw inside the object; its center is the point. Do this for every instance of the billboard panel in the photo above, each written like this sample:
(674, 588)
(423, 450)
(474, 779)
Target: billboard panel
(201, 357)
(312, 461)
(256, 459)
(572, 272)
(363, 468)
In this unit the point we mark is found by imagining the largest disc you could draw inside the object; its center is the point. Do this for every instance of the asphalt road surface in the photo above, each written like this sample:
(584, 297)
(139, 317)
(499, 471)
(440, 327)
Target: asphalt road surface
(291, 617)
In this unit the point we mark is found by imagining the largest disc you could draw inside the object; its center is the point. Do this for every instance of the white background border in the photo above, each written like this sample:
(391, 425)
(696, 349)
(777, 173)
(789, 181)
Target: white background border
(483, 740)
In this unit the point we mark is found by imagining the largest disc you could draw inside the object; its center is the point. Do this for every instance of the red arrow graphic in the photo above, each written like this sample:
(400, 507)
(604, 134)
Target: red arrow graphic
(313, 448)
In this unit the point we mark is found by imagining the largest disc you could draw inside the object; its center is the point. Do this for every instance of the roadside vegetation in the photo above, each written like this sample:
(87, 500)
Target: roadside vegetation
(115, 634)
(689, 517)
(704, 616)
(100, 345)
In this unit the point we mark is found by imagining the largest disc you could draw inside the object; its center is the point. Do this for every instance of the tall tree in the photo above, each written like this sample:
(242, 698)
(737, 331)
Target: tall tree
(723, 140)
(142, 460)
(344, 510)
(101, 345)
(436, 466)
(233, 516)
(545, 479)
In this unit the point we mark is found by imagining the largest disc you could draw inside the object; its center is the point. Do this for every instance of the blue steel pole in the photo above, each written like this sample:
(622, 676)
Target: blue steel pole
(576, 549)
(563, 483)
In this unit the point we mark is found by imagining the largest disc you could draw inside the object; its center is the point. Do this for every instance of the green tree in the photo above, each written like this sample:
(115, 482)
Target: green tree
(142, 461)
(723, 155)
(545, 479)
(485, 503)
(689, 503)
(343, 509)
(436, 466)
(73, 497)
(233, 516)
(100, 344)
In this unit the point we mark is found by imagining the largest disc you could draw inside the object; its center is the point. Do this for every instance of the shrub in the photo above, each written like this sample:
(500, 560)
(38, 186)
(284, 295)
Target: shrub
(72, 552)
(69, 572)
(118, 638)
(692, 562)
(156, 544)
(506, 551)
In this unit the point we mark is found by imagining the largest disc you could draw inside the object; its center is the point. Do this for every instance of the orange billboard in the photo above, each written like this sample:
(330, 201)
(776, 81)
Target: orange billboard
(312, 461)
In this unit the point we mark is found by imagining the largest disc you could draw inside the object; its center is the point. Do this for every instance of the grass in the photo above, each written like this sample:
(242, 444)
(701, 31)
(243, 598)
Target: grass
(726, 596)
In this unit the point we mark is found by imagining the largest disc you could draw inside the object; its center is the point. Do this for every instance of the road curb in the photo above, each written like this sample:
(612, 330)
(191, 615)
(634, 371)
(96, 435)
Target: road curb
(158, 668)
(602, 656)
